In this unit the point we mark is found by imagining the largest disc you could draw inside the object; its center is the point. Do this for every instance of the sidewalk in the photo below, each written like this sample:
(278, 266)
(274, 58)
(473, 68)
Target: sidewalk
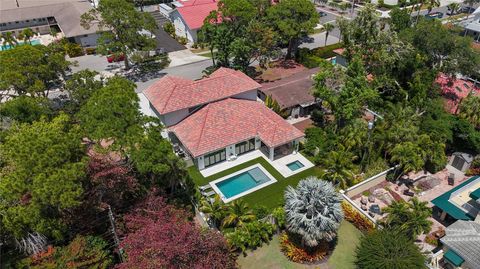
(183, 57)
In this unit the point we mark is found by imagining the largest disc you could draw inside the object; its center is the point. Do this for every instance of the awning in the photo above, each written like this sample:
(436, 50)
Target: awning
(475, 195)
(453, 258)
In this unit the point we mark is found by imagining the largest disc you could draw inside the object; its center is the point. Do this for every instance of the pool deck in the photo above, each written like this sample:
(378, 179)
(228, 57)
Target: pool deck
(279, 164)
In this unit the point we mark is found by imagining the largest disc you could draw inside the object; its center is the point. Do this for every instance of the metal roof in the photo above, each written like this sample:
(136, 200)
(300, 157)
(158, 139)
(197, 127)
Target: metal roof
(475, 195)
(443, 202)
(463, 241)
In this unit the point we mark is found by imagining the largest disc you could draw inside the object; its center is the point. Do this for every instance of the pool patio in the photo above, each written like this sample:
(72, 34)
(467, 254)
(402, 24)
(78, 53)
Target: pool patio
(279, 164)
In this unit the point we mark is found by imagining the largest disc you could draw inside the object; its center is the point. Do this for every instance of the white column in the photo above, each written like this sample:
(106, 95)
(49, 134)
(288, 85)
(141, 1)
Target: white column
(200, 163)
(271, 155)
(258, 143)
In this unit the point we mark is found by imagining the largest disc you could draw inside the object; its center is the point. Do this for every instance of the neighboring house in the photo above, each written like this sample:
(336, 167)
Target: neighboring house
(340, 58)
(43, 15)
(461, 161)
(472, 26)
(293, 94)
(218, 118)
(461, 244)
(188, 16)
(459, 203)
(454, 90)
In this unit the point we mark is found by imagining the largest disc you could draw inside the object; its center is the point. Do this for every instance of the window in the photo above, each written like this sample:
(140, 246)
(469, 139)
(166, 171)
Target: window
(245, 146)
(214, 157)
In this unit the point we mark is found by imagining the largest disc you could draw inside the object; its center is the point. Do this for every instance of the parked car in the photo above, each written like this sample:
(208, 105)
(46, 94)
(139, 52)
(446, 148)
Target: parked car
(467, 10)
(322, 14)
(115, 58)
(434, 15)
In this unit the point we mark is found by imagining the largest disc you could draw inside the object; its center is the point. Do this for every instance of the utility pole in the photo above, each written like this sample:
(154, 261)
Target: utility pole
(114, 233)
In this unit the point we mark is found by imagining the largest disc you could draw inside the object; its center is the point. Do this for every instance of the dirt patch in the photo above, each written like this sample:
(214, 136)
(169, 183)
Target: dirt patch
(278, 70)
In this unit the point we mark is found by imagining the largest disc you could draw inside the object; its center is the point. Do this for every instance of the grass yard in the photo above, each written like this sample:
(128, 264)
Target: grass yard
(270, 256)
(270, 196)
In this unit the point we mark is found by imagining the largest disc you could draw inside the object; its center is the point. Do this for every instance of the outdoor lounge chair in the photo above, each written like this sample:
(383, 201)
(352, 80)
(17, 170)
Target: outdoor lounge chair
(210, 193)
(205, 187)
(371, 199)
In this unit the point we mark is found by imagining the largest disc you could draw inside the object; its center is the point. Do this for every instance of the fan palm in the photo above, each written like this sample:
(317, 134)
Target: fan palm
(215, 209)
(328, 28)
(237, 214)
(313, 211)
(9, 40)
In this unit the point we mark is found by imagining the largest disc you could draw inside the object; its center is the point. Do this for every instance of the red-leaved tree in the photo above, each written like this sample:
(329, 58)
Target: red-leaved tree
(111, 182)
(161, 236)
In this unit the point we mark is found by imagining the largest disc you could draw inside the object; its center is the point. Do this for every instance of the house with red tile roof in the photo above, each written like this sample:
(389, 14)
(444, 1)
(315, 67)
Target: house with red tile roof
(218, 118)
(454, 90)
(188, 17)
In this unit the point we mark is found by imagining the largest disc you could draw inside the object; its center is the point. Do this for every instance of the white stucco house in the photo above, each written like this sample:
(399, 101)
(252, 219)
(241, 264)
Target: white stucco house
(218, 118)
(188, 16)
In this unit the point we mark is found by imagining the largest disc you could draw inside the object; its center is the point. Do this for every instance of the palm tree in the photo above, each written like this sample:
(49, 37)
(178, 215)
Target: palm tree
(26, 35)
(454, 7)
(420, 2)
(410, 218)
(432, 4)
(328, 28)
(338, 167)
(9, 40)
(409, 156)
(237, 214)
(215, 210)
(313, 211)
(469, 109)
(388, 249)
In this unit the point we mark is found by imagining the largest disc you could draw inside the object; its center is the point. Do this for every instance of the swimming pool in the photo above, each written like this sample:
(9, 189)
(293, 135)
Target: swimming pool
(32, 42)
(242, 182)
(295, 165)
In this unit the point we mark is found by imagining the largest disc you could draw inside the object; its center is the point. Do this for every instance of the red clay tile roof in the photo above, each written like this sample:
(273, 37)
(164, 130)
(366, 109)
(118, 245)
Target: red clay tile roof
(293, 90)
(339, 51)
(229, 121)
(195, 12)
(172, 93)
(454, 90)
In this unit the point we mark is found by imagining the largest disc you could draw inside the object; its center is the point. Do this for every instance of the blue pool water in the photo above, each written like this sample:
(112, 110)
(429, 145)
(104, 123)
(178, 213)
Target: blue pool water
(295, 165)
(7, 47)
(242, 182)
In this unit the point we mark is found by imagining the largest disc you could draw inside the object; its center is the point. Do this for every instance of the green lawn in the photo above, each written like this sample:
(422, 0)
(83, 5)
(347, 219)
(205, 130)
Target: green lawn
(270, 196)
(270, 256)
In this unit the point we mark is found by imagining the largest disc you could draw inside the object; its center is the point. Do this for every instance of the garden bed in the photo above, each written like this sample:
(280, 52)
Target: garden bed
(270, 256)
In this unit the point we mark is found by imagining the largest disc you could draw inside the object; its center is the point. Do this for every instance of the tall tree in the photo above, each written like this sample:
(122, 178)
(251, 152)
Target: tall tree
(31, 70)
(313, 211)
(386, 249)
(153, 157)
(470, 110)
(237, 214)
(339, 165)
(26, 109)
(400, 19)
(26, 35)
(161, 236)
(9, 40)
(121, 26)
(328, 28)
(112, 113)
(410, 218)
(80, 87)
(293, 19)
(42, 168)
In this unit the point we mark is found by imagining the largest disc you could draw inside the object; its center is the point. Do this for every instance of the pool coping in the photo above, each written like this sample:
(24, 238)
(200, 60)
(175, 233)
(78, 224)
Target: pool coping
(226, 200)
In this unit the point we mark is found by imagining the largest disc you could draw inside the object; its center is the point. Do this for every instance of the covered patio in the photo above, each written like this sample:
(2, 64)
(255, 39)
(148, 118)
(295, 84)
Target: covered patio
(279, 164)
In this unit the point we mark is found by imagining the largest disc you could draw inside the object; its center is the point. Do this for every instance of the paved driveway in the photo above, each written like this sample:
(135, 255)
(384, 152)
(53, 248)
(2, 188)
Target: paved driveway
(164, 40)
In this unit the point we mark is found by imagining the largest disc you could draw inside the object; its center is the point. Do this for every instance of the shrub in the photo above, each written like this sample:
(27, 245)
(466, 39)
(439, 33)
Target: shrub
(73, 49)
(431, 240)
(250, 236)
(182, 40)
(260, 211)
(356, 218)
(279, 216)
(82, 252)
(90, 51)
(313, 58)
(295, 253)
(169, 28)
